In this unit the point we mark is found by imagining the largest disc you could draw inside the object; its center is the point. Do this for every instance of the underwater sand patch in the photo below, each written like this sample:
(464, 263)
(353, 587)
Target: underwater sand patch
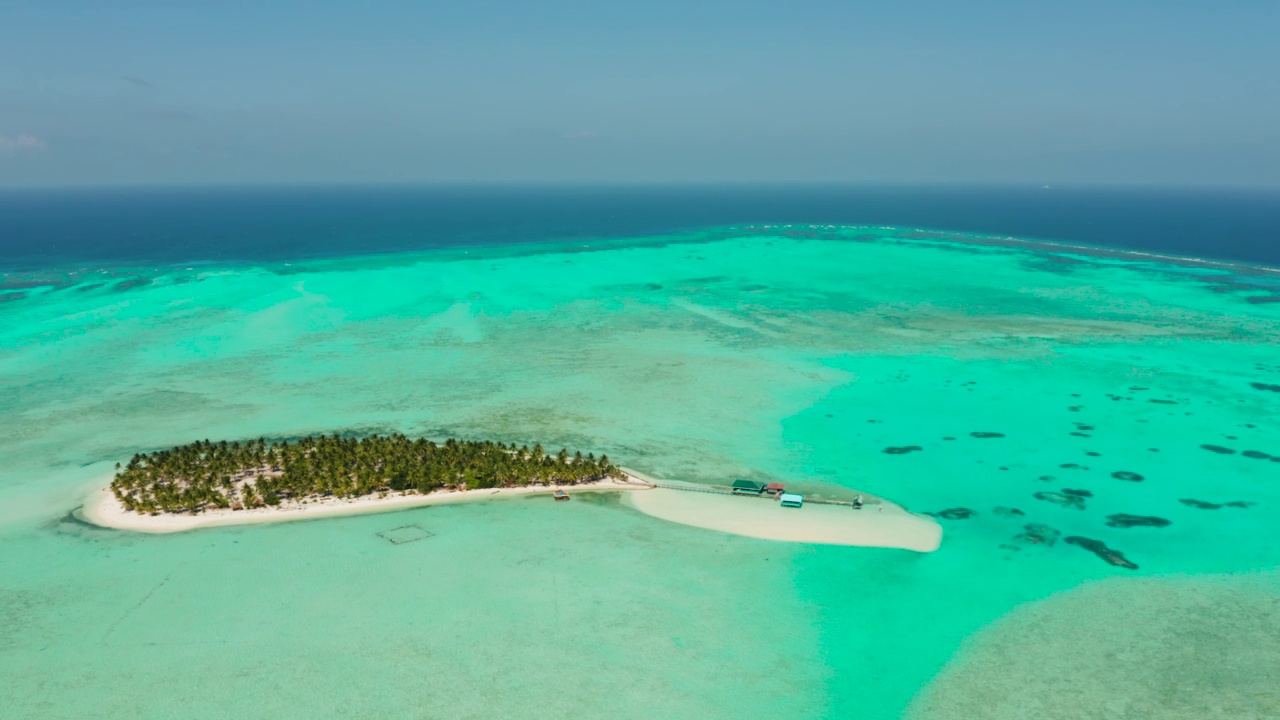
(1203, 648)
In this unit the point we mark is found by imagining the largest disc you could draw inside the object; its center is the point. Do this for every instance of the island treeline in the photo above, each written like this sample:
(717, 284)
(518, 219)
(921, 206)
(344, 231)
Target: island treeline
(204, 475)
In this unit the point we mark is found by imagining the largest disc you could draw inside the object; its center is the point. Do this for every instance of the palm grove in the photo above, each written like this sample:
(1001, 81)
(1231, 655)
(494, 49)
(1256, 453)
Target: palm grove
(205, 475)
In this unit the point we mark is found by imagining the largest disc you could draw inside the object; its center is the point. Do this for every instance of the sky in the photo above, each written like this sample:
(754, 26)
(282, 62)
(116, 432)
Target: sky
(986, 91)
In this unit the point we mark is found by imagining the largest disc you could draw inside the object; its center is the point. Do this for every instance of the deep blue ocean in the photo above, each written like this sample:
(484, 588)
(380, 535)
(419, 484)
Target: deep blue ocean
(42, 228)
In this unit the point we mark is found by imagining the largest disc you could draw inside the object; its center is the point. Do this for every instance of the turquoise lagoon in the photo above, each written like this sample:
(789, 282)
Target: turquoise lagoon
(797, 353)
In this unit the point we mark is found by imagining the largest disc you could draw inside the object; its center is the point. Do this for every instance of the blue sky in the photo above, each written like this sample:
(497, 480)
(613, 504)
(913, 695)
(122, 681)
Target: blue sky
(567, 90)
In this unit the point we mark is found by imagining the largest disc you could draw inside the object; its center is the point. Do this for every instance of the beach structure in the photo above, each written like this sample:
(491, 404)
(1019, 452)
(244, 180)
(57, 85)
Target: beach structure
(775, 488)
(747, 487)
(791, 500)
(561, 495)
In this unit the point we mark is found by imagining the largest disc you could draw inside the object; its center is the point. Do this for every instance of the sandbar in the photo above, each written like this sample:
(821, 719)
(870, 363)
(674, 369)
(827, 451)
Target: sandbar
(882, 524)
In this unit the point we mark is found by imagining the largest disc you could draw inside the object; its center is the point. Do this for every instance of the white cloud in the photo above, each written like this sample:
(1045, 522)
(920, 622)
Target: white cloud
(21, 143)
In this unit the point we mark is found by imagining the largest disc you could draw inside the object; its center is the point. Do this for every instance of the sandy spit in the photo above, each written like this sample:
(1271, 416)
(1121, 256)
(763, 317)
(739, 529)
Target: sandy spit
(882, 524)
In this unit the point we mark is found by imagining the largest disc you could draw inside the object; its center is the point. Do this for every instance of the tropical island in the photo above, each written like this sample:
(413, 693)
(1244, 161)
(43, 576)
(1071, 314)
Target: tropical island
(206, 484)
(229, 483)
(204, 476)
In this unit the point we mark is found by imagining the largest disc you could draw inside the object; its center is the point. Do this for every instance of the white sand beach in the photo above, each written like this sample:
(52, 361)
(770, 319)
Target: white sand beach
(882, 524)
(102, 508)
(878, 524)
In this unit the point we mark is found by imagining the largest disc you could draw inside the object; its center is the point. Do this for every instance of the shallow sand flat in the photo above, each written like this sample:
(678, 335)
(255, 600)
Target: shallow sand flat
(892, 527)
(1175, 648)
(103, 509)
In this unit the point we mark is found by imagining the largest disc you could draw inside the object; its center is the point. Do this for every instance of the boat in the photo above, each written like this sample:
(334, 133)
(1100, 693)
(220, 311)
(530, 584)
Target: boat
(561, 495)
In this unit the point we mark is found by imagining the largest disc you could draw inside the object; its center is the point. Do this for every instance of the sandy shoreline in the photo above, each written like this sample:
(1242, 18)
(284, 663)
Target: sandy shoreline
(883, 524)
(102, 508)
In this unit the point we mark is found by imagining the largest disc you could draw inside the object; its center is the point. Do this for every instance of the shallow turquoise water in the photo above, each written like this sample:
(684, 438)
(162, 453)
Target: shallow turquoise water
(761, 353)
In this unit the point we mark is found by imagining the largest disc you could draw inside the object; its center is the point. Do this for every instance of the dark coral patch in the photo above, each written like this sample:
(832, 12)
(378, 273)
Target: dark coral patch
(1219, 449)
(1070, 501)
(1124, 520)
(1045, 477)
(1265, 386)
(1077, 493)
(948, 438)
(131, 283)
(902, 450)
(1127, 476)
(1256, 454)
(1080, 434)
(1082, 426)
(1158, 401)
(1201, 504)
(1038, 534)
(986, 434)
(1072, 466)
(959, 513)
(1091, 453)
(1239, 504)
(1009, 512)
(1099, 548)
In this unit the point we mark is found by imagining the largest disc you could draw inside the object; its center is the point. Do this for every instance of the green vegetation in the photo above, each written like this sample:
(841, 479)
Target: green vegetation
(205, 475)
